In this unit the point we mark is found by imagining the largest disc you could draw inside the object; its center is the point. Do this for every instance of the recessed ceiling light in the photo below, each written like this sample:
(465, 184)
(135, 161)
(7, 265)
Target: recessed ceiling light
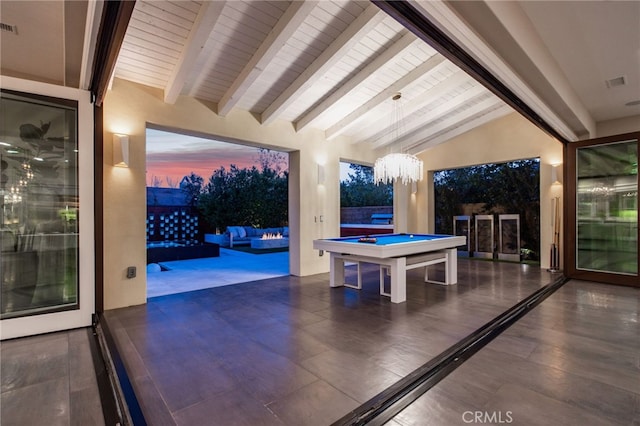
(633, 103)
(5, 144)
(38, 158)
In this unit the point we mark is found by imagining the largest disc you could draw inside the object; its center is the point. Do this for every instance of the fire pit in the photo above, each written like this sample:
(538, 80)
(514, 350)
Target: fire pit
(269, 241)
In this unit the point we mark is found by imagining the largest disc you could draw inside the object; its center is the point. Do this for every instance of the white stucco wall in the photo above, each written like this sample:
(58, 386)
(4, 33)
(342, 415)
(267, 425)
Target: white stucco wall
(509, 138)
(128, 108)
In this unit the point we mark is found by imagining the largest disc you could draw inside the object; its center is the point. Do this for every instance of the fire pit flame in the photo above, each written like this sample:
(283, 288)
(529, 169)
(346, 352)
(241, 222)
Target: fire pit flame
(271, 236)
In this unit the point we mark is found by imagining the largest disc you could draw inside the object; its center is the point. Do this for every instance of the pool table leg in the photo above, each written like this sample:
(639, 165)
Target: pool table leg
(398, 279)
(451, 275)
(336, 270)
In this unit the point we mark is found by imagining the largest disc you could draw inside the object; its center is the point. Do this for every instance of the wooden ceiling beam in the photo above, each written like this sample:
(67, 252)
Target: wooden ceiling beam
(275, 40)
(358, 29)
(360, 113)
(408, 15)
(452, 132)
(205, 21)
(380, 128)
(417, 121)
(380, 61)
(451, 122)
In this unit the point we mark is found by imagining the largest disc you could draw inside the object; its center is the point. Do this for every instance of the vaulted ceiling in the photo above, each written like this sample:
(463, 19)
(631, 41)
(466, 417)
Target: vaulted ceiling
(330, 65)
(336, 65)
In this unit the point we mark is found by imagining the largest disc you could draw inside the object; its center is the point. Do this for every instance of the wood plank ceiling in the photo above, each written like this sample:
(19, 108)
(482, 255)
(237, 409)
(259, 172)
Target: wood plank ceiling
(330, 65)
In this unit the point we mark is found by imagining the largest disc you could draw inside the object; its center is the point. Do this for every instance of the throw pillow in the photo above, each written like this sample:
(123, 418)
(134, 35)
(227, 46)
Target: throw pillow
(242, 233)
(233, 231)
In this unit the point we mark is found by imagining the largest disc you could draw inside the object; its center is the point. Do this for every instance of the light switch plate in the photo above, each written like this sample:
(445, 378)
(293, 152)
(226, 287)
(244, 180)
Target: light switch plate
(131, 272)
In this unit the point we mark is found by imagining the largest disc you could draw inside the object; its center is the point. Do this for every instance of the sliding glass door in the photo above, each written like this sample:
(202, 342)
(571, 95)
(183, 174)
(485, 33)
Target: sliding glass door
(604, 214)
(46, 210)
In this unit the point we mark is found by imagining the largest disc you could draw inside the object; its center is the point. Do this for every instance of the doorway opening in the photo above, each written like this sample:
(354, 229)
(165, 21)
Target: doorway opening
(496, 206)
(366, 208)
(217, 213)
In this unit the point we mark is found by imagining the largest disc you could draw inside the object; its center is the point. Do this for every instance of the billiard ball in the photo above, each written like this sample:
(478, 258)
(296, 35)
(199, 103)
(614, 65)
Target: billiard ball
(411, 236)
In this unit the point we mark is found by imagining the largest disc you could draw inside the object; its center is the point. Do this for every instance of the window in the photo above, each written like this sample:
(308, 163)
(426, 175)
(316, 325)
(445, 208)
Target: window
(39, 204)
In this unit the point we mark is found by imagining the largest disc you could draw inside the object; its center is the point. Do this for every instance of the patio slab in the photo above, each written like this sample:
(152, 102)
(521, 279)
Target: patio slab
(231, 267)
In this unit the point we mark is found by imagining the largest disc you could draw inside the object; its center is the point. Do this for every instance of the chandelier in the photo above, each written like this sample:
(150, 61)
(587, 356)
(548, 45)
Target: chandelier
(402, 167)
(405, 168)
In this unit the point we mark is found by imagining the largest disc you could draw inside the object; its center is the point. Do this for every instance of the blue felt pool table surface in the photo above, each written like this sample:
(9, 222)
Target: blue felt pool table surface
(385, 239)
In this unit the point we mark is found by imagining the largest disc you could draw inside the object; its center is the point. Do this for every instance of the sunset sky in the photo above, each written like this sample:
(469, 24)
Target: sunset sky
(173, 156)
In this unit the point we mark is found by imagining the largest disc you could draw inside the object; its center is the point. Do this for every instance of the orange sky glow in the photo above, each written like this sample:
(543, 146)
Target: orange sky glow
(172, 156)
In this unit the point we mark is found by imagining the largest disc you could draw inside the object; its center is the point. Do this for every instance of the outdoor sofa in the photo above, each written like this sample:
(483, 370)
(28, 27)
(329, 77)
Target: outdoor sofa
(239, 235)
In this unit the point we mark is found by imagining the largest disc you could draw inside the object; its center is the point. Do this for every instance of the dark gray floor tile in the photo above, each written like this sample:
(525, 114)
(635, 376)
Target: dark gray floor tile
(82, 373)
(153, 407)
(530, 408)
(359, 378)
(520, 346)
(292, 316)
(185, 378)
(340, 338)
(129, 354)
(155, 342)
(32, 361)
(315, 404)
(86, 408)
(589, 362)
(42, 403)
(293, 343)
(589, 395)
(401, 358)
(233, 408)
(434, 410)
(266, 375)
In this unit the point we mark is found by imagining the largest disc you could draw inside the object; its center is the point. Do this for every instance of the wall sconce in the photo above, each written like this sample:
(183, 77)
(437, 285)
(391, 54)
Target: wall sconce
(556, 174)
(320, 174)
(414, 187)
(120, 150)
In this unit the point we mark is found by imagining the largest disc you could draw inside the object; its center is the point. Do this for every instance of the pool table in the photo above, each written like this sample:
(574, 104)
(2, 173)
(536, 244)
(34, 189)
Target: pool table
(396, 252)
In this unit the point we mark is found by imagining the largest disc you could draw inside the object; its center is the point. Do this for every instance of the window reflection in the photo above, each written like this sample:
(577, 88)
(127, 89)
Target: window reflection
(39, 204)
(608, 208)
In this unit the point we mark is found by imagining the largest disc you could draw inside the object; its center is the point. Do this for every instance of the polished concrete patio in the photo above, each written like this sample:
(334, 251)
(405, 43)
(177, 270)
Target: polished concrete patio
(231, 267)
(291, 350)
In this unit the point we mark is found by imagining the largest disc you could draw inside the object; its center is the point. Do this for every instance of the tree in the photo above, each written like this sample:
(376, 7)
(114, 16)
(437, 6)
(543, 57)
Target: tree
(512, 187)
(192, 186)
(171, 182)
(273, 160)
(248, 197)
(360, 190)
(155, 182)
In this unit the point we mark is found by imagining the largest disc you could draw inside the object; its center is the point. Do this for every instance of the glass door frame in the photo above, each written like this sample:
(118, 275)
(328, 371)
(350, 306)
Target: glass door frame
(83, 316)
(570, 219)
